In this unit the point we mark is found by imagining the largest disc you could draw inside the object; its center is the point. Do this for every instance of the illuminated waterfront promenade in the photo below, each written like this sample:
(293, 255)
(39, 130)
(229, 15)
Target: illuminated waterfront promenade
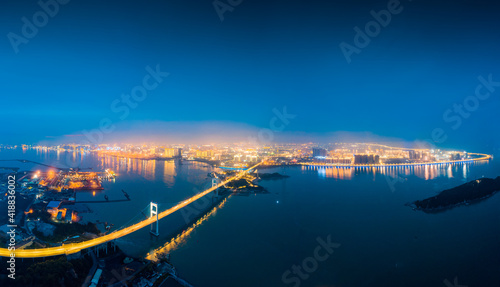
(480, 157)
(76, 247)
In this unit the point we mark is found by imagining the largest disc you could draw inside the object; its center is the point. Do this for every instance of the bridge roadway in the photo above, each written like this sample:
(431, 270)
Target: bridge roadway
(76, 247)
(480, 157)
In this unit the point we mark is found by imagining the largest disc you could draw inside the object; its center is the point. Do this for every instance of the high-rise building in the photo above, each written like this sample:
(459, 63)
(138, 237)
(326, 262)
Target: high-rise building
(412, 154)
(173, 152)
(205, 153)
(366, 159)
(319, 152)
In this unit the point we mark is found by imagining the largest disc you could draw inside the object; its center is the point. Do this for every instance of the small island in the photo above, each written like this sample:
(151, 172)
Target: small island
(464, 194)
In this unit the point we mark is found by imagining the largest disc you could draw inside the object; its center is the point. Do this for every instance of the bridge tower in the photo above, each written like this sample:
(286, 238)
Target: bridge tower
(215, 182)
(154, 212)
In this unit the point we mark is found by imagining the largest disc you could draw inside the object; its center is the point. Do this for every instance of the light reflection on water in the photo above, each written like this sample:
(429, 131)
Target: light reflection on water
(382, 240)
(145, 168)
(384, 243)
(427, 172)
(181, 238)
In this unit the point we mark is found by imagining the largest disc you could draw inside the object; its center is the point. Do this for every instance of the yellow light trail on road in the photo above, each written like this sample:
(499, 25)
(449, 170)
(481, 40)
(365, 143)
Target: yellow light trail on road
(76, 247)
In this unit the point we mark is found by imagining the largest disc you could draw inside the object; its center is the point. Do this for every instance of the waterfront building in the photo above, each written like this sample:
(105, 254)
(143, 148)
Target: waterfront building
(319, 152)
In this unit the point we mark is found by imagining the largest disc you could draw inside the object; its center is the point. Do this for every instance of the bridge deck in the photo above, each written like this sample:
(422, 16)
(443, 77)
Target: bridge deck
(76, 247)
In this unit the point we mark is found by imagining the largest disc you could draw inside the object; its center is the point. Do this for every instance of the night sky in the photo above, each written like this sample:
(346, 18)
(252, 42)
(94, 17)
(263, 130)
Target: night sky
(226, 77)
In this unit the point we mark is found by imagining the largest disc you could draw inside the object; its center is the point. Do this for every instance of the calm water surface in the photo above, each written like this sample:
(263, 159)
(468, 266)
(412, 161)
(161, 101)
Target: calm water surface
(253, 240)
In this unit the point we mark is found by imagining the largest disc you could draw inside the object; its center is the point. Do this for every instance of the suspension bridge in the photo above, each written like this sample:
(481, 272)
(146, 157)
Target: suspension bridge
(71, 248)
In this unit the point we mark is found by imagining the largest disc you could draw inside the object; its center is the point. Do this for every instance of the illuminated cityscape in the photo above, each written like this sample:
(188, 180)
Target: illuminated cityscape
(233, 143)
(243, 155)
(54, 193)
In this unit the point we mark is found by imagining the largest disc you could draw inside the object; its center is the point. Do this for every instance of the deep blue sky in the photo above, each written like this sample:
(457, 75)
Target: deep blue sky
(264, 55)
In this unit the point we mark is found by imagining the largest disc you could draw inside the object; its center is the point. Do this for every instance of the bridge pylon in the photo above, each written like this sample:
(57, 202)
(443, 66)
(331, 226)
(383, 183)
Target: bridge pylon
(154, 212)
(215, 182)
